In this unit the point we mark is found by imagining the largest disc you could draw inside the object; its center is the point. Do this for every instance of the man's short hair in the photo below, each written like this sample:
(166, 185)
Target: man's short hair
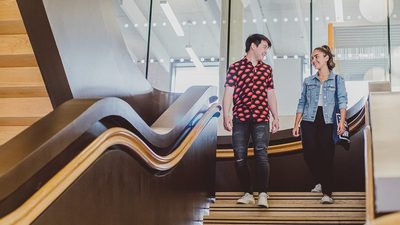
(256, 39)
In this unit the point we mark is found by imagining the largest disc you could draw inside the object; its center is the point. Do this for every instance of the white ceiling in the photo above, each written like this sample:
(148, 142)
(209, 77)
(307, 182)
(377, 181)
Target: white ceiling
(289, 37)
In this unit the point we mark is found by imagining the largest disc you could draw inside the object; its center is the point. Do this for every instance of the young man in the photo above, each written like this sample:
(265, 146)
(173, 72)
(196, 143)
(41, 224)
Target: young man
(250, 87)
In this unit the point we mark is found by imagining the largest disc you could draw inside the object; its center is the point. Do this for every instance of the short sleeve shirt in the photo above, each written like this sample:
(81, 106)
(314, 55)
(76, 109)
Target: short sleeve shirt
(251, 83)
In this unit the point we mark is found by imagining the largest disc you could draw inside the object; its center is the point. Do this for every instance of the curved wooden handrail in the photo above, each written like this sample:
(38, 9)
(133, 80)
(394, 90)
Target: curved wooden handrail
(35, 205)
(357, 120)
(24, 156)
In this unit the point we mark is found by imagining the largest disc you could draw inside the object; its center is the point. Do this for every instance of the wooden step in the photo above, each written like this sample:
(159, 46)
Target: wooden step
(9, 10)
(20, 76)
(12, 27)
(8, 132)
(10, 18)
(24, 107)
(20, 82)
(289, 208)
(16, 51)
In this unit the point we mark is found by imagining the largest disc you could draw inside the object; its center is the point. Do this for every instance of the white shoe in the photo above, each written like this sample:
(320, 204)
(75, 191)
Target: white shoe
(247, 198)
(263, 200)
(326, 200)
(317, 188)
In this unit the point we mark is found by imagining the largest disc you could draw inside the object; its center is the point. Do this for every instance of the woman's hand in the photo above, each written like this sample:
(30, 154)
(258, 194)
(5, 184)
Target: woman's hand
(341, 128)
(296, 131)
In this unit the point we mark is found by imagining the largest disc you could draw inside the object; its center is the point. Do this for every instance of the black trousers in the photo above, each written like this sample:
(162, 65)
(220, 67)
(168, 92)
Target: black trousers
(259, 133)
(319, 150)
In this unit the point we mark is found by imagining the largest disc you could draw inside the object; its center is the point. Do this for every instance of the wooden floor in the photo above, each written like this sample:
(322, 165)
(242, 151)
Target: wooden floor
(289, 208)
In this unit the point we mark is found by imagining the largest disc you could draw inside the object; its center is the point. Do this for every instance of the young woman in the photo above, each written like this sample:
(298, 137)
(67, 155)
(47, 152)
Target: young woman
(315, 112)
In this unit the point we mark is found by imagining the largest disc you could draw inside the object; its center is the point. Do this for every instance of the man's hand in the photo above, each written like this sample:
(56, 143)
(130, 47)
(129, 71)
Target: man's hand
(228, 123)
(275, 125)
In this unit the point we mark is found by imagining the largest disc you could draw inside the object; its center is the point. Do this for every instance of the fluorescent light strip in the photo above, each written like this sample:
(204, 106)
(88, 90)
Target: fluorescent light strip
(194, 57)
(172, 18)
(339, 10)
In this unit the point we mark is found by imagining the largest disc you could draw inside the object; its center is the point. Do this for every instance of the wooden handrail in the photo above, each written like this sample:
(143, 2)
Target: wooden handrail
(369, 175)
(38, 203)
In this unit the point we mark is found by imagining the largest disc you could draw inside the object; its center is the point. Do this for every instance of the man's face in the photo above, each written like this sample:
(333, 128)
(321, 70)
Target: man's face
(261, 50)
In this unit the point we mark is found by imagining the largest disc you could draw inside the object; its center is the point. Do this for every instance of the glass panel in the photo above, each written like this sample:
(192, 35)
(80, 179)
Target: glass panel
(286, 24)
(357, 32)
(133, 17)
(184, 33)
(395, 45)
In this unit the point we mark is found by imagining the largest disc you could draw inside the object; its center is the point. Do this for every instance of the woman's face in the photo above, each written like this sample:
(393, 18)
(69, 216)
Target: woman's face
(319, 59)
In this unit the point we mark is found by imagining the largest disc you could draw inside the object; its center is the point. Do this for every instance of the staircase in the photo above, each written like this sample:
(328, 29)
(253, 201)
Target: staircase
(23, 96)
(289, 208)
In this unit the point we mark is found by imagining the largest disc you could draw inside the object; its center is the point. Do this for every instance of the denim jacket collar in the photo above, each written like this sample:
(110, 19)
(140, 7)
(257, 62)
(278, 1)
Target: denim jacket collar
(330, 77)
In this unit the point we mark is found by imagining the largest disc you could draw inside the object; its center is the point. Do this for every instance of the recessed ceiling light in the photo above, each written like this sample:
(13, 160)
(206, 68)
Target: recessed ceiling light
(136, 25)
(317, 18)
(275, 20)
(264, 20)
(306, 19)
(164, 24)
(204, 22)
(296, 19)
(181, 60)
(126, 25)
(254, 20)
(285, 20)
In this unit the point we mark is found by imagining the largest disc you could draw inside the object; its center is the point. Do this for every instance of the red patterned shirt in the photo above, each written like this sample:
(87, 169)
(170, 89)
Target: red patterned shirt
(251, 83)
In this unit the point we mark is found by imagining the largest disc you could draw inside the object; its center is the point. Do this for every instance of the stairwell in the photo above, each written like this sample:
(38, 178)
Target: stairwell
(289, 208)
(23, 96)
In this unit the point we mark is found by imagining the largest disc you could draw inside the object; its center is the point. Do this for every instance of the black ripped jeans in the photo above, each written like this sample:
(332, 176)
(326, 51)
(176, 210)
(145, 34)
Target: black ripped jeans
(259, 133)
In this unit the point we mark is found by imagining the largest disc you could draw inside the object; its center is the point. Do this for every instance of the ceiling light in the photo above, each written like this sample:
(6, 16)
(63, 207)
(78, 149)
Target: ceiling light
(212, 59)
(164, 24)
(214, 22)
(275, 20)
(306, 19)
(126, 25)
(171, 60)
(339, 10)
(171, 18)
(182, 60)
(264, 20)
(285, 19)
(193, 56)
(296, 19)
(204, 22)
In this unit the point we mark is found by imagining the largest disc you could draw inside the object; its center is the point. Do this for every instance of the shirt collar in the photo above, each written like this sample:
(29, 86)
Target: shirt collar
(331, 75)
(248, 61)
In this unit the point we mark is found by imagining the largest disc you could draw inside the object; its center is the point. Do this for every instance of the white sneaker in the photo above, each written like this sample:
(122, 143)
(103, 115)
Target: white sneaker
(263, 200)
(317, 188)
(326, 200)
(247, 198)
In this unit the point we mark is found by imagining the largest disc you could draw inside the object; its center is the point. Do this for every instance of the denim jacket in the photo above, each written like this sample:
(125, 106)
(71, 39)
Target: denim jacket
(308, 102)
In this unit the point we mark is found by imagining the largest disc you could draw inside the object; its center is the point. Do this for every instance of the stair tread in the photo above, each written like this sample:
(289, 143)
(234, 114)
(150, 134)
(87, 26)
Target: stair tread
(9, 10)
(289, 208)
(15, 44)
(24, 107)
(22, 91)
(8, 132)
